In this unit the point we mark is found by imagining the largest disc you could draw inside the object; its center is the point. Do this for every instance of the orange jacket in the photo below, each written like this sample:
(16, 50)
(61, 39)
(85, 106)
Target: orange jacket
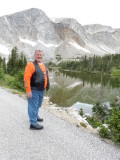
(29, 70)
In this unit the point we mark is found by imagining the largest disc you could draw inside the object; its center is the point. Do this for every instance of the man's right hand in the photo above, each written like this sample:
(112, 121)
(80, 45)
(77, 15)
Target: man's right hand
(29, 94)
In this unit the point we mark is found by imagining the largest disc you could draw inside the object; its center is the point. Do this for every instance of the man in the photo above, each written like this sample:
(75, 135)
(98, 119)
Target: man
(36, 81)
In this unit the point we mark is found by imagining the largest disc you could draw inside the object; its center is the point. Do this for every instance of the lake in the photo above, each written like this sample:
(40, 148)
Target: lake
(72, 89)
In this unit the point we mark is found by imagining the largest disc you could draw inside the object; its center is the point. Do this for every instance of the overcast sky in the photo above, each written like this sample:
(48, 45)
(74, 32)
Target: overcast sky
(104, 12)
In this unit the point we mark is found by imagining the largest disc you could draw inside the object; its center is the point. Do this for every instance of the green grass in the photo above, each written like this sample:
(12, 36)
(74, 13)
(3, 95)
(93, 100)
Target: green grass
(116, 72)
(9, 82)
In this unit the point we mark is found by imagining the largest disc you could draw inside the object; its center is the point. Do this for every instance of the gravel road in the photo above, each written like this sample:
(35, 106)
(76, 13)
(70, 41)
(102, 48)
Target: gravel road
(59, 140)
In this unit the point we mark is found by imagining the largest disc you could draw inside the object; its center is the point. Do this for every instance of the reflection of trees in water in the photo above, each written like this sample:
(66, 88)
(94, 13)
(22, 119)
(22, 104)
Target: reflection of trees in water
(103, 88)
(92, 78)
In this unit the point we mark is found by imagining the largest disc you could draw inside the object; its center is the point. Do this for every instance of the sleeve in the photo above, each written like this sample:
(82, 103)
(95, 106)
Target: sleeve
(29, 70)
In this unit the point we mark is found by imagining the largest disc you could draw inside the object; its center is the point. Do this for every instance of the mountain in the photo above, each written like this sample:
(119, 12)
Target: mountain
(64, 38)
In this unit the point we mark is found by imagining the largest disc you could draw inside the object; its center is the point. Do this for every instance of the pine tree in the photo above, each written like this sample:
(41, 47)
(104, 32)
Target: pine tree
(13, 62)
(25, 62)
(16, 62)
(4, 65)
(21, 61)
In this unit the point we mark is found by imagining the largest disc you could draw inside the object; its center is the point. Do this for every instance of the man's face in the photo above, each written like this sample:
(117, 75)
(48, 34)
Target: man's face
(38, 56)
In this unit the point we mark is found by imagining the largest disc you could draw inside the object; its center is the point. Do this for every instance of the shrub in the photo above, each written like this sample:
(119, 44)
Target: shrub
(104, 132)
(114, 124)
(101, 111)
(81, 112)
(83, 124)
(19, 80)
(1, 73)
(94, 121)
(9, 80)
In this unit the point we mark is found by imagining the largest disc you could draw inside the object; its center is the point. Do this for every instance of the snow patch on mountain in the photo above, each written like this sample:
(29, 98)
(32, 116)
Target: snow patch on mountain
(48, 45)
(27, 41)
(56, 20)
(79, 47)
(107, 49)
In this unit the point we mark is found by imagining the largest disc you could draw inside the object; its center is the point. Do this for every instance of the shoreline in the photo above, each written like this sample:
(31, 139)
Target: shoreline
(69, 114)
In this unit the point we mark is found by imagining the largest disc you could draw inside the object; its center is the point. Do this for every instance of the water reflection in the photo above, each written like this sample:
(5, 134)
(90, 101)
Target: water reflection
(68, 88)
(93, 79)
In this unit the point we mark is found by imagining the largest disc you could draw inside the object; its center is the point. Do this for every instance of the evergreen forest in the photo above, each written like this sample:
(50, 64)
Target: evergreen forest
(12, 71)
(96, 64)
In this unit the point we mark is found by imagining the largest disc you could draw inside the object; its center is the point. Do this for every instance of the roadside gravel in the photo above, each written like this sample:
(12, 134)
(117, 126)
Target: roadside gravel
(59, 140)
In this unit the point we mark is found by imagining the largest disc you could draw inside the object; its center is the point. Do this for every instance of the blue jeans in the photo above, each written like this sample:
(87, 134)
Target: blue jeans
(34, 104)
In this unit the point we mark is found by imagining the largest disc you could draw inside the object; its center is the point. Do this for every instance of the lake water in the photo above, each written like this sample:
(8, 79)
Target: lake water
(73, 89)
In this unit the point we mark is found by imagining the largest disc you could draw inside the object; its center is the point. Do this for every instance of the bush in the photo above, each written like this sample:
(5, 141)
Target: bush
(15, 82)
(104, 132)
(114, 124)
(81, 112)
(94, 121)
(1, 73)
(99, 110)
(111, 116)
(9, 80)
(19, 80)
(83, 124)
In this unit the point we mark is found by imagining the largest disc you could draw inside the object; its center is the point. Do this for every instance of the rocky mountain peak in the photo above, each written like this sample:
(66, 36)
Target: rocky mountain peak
(32, 29)
(96, 28)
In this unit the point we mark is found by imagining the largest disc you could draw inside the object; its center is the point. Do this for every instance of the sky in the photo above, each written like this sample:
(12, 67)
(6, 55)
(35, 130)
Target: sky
(104, 12)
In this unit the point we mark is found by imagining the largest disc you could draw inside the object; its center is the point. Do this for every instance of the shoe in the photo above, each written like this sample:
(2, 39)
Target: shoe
(36, 127)
(40, 119)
